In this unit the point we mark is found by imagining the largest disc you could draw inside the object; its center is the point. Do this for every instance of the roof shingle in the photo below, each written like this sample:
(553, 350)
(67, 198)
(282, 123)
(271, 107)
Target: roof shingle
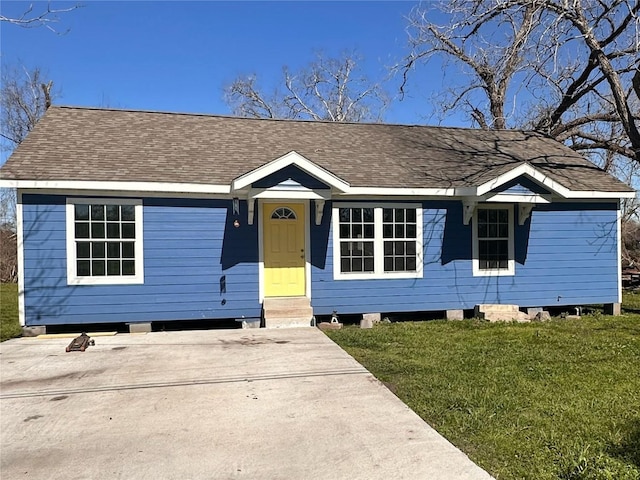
(88, 144)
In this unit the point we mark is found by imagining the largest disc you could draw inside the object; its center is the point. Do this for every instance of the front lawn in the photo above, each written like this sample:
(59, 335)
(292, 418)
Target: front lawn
(9, 326)
(538, 401)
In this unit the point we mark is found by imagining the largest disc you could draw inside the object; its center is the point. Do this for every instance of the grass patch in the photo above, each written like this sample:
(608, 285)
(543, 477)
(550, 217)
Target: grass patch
(9, 325)
(538, 401)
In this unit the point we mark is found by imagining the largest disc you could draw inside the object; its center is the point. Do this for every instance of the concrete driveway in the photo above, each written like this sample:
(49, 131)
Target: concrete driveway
(216, 404)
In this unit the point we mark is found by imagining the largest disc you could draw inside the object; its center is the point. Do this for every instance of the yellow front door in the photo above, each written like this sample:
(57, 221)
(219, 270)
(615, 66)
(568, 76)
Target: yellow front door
(284, 256)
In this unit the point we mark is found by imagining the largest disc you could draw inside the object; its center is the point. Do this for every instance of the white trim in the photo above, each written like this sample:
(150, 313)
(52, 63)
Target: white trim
(72, 277)
(290, 194)
(526, 170)
(619, 249)
(83, 186)
(20, 253)
(291, 158)
(510, 270)
(516, 198)
(307, 242)
(378, 242)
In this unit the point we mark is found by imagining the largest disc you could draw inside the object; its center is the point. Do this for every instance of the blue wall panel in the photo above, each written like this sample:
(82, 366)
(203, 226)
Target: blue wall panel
(196, 266)
(566, 254)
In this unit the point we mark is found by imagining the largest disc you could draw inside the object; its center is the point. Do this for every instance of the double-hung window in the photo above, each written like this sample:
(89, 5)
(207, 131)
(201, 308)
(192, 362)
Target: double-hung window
(493, 243)
(104, 241)
(377, 241)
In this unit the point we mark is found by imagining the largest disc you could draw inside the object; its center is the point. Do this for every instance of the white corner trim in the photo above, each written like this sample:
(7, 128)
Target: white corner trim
(291, 158)
(306, 194)
(72, 276)
(619, 250)
(20, 253)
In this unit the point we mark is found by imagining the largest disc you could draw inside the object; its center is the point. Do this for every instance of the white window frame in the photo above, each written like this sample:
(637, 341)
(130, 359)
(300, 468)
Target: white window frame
(72, 274)
(511, 264)
(378, 242)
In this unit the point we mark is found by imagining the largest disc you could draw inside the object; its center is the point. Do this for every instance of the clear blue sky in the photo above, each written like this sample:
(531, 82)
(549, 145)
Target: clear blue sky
(177, 56)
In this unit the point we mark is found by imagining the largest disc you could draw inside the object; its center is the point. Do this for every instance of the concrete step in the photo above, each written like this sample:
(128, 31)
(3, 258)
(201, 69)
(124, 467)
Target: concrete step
(287, 312)
(501, 313)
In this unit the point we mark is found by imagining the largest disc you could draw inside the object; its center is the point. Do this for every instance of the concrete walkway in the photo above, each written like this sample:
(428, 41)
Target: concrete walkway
(217, 404)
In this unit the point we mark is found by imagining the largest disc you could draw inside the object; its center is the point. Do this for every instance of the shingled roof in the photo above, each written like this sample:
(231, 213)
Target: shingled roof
(88, 144)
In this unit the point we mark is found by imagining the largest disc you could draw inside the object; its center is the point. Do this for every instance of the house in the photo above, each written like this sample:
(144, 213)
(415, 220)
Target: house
(140, 217)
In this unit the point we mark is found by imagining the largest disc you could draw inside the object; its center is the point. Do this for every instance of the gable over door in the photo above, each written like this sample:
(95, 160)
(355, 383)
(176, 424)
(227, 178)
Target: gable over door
(284, 249)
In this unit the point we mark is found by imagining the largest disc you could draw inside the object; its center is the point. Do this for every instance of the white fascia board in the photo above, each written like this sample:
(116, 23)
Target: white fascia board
(290, 194)
(402, 192)
(115, 186)
(600, 195)
(291, 158)
(529, 171)
(515, 198)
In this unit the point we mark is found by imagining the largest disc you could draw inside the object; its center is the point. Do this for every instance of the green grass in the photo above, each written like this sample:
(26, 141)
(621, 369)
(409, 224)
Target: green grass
(550, 400)
(9, 326)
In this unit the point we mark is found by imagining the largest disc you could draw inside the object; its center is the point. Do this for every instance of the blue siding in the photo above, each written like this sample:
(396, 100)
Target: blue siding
(196, 266)
(566, 254)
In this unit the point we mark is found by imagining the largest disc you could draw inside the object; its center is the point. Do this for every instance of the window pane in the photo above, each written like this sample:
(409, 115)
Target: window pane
(503, 216)
(482, 215)
(387, 215)
(399, 248)
(84, 269)
(345, 214)
(388, 248)
(399, 231)
(411, 264)
(411, 248)
(356, 231)
(356, 265)
(411, 231)
(399, 264)
(344, 249)
(83, 250)
(97, 212)
(493, 231)
(113, 230)
(113, 212)
(128, 267)
(368, 249)
(368, 264)
(388, 264)
(367, 214)
(127, 250)
(503, 230)
(482, 230)
(97, 230)
(368, 231)
(113, 267)
(82, 230)
(113, 250)
(399, 215)
(82, 212)
(387, 231)
(344, 231)
(98, 268)
(411, 215)
(97, 249)
(356, 215)
(492, 215)
(128, 213)
(345, 265)
(128, 230)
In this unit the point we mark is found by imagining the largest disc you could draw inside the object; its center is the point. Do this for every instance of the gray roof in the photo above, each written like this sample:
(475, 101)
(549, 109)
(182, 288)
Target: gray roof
(88, 144)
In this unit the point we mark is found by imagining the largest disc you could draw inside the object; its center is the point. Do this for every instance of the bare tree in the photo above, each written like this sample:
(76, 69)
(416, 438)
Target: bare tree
(25, 95)
(330, 89)
(43, 18)
(563, 67)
